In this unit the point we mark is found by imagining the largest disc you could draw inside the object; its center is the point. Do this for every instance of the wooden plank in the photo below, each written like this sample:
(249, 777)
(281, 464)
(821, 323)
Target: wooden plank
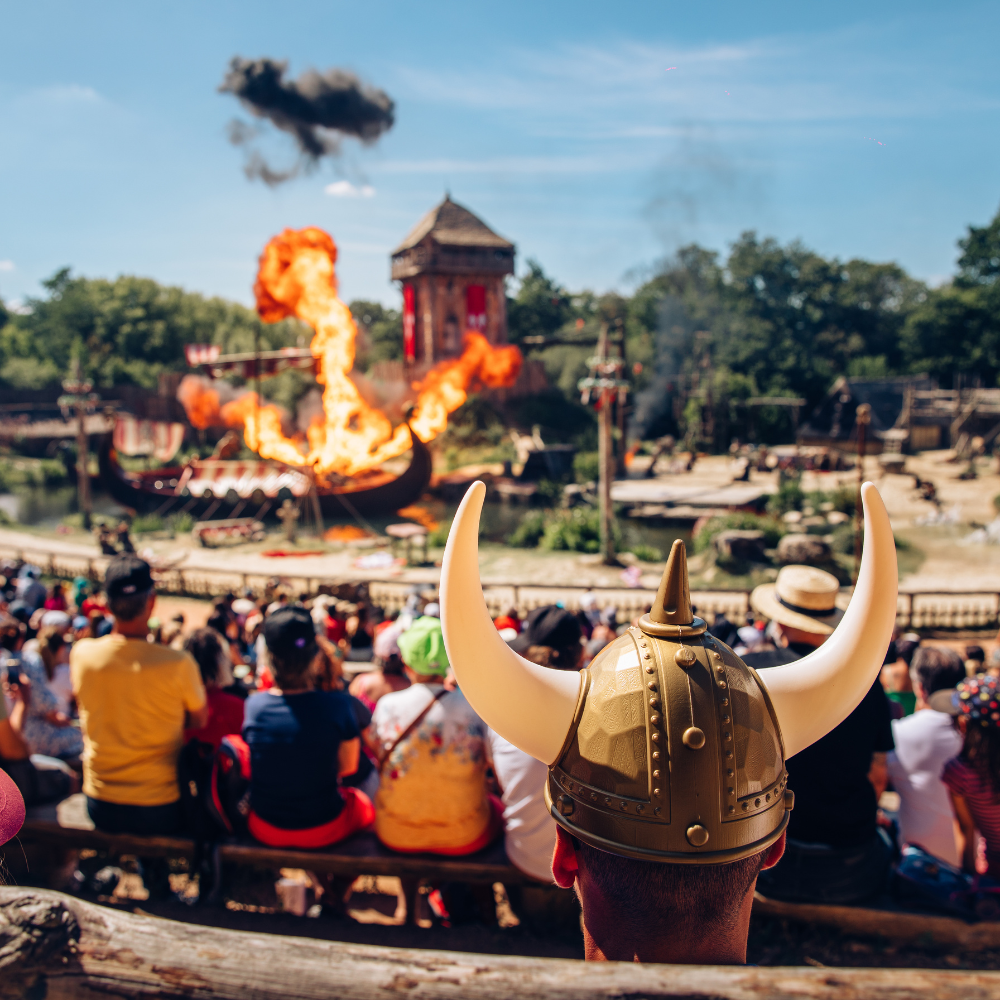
(48, 832)
(892, 925)
(58, 947)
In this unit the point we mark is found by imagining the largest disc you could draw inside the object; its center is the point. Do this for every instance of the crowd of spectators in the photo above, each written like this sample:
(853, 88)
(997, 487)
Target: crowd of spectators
(100, 695)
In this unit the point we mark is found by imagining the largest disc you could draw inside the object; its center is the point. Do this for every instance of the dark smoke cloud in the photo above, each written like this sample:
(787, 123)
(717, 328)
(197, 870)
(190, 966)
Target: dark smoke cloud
(317, 110)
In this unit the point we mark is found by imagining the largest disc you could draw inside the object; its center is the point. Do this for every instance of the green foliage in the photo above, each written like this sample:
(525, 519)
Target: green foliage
(539, 309)
(789, 496)
(586, 466)
(129, 331)
(647, 553)
(996, 503)
(145, 523)
(560, 418)
(576, 530)
(31, 472)
(739, 521)
(843, 498)
(181, 523)
(380, 333)
(529, 532)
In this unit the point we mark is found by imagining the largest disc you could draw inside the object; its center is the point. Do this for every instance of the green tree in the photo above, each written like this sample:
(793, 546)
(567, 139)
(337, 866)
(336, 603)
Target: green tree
(540, 308)
(126, 331)
(380, 333)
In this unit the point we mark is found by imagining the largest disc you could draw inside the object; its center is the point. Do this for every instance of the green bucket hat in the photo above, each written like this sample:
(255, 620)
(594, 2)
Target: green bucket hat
(422, 647)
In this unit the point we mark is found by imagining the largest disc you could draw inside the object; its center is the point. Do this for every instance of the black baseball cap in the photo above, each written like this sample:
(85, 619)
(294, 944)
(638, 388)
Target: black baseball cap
(549, 626)
(289, 630)
(126, 575)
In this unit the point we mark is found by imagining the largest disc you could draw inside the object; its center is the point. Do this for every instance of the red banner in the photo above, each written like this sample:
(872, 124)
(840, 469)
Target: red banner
(475, 308)
(409, 323)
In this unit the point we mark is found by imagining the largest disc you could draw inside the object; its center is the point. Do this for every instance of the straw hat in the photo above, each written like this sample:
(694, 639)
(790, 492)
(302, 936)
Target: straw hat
(802, 597)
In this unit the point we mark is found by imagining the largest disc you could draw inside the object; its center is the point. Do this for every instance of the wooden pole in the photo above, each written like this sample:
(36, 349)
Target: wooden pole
(57, 946)
(863, 419)
(605, 458)
(82, 472)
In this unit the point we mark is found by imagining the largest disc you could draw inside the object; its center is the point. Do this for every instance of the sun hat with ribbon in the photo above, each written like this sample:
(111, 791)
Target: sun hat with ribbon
(802, 597)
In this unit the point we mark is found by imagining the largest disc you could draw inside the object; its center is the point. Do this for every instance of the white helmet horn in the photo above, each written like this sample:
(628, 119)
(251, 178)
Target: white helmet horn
(815, 694)
(528, 705)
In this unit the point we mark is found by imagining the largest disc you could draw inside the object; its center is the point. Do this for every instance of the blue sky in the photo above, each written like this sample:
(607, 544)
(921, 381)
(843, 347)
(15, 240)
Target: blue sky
(559, 123)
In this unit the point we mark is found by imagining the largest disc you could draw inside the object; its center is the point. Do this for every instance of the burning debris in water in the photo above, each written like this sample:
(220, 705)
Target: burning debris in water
(317, 110)
(296, 278)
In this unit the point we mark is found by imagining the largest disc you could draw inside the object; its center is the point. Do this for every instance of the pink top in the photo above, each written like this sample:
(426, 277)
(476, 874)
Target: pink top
(984, 804)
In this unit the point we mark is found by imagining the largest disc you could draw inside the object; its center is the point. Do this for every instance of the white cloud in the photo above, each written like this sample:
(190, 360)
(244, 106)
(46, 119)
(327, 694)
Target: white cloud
(72, 93)
(17, 307)
(345, 189)
(6, 265)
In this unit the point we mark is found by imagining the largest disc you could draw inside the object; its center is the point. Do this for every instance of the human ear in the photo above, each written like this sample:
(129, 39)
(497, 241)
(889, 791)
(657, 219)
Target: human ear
(774, 853)
(564, 862)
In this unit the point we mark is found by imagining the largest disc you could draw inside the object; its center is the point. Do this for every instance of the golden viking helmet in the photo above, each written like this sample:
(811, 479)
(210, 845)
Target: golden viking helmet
(668, 747)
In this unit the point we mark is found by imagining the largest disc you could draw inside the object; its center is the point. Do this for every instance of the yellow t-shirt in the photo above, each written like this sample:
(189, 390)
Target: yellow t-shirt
(132, 697)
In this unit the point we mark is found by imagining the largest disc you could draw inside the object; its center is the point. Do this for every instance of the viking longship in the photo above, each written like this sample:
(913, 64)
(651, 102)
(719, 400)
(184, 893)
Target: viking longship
(220, 488)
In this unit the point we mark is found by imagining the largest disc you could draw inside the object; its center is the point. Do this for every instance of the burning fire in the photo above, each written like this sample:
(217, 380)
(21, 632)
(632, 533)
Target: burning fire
(296, 278)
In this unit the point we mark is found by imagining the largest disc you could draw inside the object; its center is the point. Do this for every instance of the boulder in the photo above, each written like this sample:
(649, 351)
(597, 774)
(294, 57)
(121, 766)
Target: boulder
(745, 545)
(804, 550)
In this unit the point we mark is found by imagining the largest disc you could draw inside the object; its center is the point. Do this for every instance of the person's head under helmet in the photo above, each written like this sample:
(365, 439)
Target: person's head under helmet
(667, 754)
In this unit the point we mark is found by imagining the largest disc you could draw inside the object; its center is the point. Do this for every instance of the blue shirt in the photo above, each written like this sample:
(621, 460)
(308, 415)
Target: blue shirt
(294, 742)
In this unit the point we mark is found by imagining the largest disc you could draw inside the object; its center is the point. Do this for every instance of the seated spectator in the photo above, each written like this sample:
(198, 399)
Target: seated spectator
(359, 633)
(225, 711)
(56, 601)
(973, 777)
(36, 785)
(432, 794)
(135, 700)
(511, 619)
(301, 741)
(44, 677)
(925, 742)
(29, 589)
(94, 604)
(724, 630)
(975, 660)
(388, 676)
(835, 852)
(552, 638)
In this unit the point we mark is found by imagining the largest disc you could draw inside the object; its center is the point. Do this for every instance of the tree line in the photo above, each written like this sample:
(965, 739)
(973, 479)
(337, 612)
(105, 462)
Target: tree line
(704, 333)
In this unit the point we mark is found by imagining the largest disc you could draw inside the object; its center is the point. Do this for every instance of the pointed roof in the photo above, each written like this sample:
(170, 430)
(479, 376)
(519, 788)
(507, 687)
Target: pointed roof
(452, 224)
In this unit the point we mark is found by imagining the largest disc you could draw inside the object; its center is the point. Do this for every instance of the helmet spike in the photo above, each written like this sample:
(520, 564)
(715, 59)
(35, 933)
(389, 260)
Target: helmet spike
(673, 600)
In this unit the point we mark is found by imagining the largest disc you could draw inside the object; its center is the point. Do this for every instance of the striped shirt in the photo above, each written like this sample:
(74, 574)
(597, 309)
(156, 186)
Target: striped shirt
(983, 803)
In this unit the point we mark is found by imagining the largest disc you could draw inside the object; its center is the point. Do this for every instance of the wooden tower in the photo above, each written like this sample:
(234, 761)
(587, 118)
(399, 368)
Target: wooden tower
(453, 269)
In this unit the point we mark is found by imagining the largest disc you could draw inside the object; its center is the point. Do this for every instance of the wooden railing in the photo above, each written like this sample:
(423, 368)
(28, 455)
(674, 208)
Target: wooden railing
(965, 609)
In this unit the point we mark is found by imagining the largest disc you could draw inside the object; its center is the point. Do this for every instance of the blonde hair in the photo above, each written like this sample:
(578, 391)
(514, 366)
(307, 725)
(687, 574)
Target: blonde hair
(50, 642)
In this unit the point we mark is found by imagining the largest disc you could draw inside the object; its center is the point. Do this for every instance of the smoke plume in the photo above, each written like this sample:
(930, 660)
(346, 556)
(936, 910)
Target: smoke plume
(317, 110)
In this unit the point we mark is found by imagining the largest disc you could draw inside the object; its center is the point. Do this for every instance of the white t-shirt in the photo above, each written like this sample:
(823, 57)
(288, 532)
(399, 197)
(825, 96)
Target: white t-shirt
(925, 742)
(62, 687)
(529, 830)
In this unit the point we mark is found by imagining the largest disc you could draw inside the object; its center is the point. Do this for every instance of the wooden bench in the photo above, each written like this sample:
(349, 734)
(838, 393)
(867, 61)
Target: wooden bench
(67, 825)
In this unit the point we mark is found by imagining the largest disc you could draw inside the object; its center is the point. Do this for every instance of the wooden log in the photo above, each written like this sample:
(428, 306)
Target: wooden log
(57, 947)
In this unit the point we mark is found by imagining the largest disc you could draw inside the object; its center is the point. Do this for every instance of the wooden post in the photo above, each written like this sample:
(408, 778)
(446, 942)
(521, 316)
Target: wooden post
(863, 419)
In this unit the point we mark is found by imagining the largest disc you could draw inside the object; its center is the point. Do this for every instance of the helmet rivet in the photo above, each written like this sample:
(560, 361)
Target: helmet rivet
(756, 802)
(656, 774)
(729, 772)
(693, 738)
(656, 811)
(654, 702)
(697, 835)
(656, 755)
(639, 808)
(655, 737)
(647, 655)
(722, 684)
(725, 718)
(651, 685)
(725, 702)
(656, 792)
(624, 805)
(593, 796)
(654, 719)
(649, 668)
(730, 790)
(566, 805)
(746, 806)
(731, 809)
(607, 800)
(729, 754)
(767, 798)
(728, 737)
(684, 657)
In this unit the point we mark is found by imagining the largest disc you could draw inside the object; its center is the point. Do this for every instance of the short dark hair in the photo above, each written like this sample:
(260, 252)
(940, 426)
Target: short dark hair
(905, 648)
(205, 646)
(937, 668)
(975, 653)
(128, 607)
(650, 894)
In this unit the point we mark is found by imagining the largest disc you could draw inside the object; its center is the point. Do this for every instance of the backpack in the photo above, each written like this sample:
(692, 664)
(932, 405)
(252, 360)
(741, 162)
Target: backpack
(228, 801)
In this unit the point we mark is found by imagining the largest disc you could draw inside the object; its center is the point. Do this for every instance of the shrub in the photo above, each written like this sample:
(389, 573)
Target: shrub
(182, 523)
(647, 553)
(739, 521)
(528, 533)
(147, 522)
(788, 497)
(438, 538)
(586, 466)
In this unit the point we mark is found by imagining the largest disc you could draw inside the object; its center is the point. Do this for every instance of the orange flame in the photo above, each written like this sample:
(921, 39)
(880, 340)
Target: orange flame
(296, 278)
